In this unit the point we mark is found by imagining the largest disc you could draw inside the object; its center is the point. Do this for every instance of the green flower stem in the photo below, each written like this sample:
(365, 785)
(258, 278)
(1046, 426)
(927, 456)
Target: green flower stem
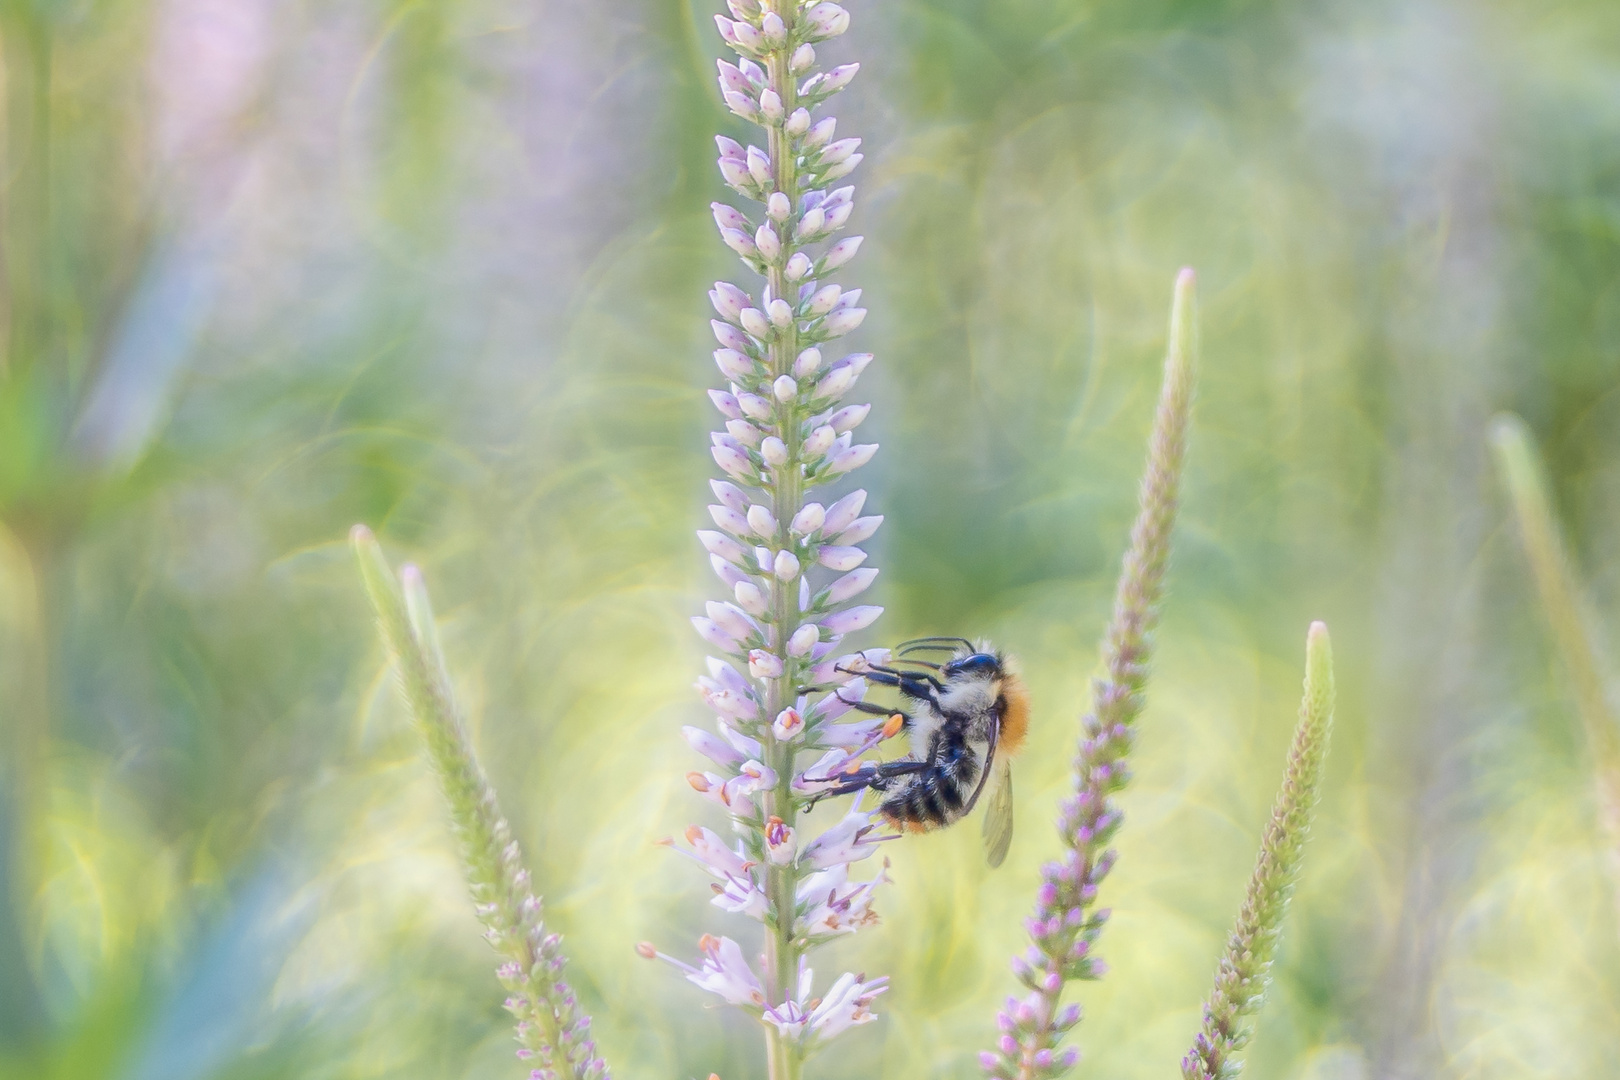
(1571, 627)
(1066, 922)
(1244, 972)
(550, 1028)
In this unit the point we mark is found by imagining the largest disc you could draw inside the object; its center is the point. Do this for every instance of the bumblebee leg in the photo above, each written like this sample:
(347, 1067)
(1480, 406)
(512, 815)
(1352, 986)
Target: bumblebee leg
(911, 683)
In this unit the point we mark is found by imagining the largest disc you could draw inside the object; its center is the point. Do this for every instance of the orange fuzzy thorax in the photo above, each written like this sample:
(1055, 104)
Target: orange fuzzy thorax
(1015, 718)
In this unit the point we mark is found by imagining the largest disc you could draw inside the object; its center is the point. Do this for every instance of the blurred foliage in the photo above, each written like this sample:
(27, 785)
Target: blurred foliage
(272, 269)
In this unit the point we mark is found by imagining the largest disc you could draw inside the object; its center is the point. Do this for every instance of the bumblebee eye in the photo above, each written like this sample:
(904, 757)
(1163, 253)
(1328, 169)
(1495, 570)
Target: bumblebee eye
(972, 665)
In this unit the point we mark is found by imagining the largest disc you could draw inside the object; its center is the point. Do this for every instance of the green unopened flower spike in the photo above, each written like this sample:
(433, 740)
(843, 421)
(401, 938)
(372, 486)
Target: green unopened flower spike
(1561, 602)
(1241, 980)
(552, 1031)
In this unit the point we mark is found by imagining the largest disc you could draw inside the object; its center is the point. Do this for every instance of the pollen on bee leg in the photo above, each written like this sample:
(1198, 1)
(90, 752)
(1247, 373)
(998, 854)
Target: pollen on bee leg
(892, 726)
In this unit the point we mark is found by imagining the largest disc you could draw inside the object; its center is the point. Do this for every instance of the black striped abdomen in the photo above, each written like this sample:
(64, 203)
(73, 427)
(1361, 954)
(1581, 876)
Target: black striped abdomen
(935, 798)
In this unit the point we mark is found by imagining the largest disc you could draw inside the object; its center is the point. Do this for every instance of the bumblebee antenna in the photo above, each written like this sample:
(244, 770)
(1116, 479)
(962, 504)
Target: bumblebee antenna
(921, 640)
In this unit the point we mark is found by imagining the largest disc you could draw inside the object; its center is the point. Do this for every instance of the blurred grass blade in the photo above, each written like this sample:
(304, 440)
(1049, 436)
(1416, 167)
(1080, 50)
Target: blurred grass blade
(1244, 972)
(550, 1027)
(1573, 633)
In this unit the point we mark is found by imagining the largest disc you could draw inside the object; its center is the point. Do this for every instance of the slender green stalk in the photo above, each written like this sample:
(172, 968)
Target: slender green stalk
(1066, 922)
(1572, 629)
(1244, 972)
(550, 1027)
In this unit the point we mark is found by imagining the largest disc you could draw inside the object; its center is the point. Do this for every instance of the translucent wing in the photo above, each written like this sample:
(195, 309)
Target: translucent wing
(998, 814)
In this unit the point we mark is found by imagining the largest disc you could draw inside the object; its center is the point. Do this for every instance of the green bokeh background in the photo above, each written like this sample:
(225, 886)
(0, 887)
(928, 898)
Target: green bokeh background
(439, 266)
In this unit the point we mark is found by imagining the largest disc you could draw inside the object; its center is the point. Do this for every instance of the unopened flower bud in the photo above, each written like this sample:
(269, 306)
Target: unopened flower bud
(740, 242)
(798, 122)
(715, 636)
(742, 105)
(729, 520)
(770, 246)
(726, 403)
(729, 217)
(728, 300)
(749, 597)
(806, 363)
(851, 619)
(734, 462)
(838, 151)
(850, 458)
(770, 106)
(727, 573)
(842, 169)
(808, 519)
(803, 640)
(820, 133)
(851, 584)
(729, 148)
(774, 451)
(750, 39)
(723, 546)
(842, 321)
(840, 253)
(772, 28)
(778, 206)
(840, 558)
(761, 521)
(786, 388)
(818, 442)
(786, 566)
(825, 20)
(764, 665)
(754, 406)
(841, 513)
(780, 313)
(811, 223)
(838, 78)
(860, 529)
(735, 173)
(759, 166)
(848, 418)
(730, 619)
(798, 265)
(821, 303)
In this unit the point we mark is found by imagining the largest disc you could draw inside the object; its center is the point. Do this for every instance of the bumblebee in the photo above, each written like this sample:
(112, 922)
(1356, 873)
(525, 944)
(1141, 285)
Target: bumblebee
(964, 719)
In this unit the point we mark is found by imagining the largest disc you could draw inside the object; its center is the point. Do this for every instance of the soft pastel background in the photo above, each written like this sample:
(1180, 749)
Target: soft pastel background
(272, 268)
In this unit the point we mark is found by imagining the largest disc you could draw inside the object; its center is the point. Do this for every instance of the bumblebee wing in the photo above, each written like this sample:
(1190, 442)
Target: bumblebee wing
(998, 814)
